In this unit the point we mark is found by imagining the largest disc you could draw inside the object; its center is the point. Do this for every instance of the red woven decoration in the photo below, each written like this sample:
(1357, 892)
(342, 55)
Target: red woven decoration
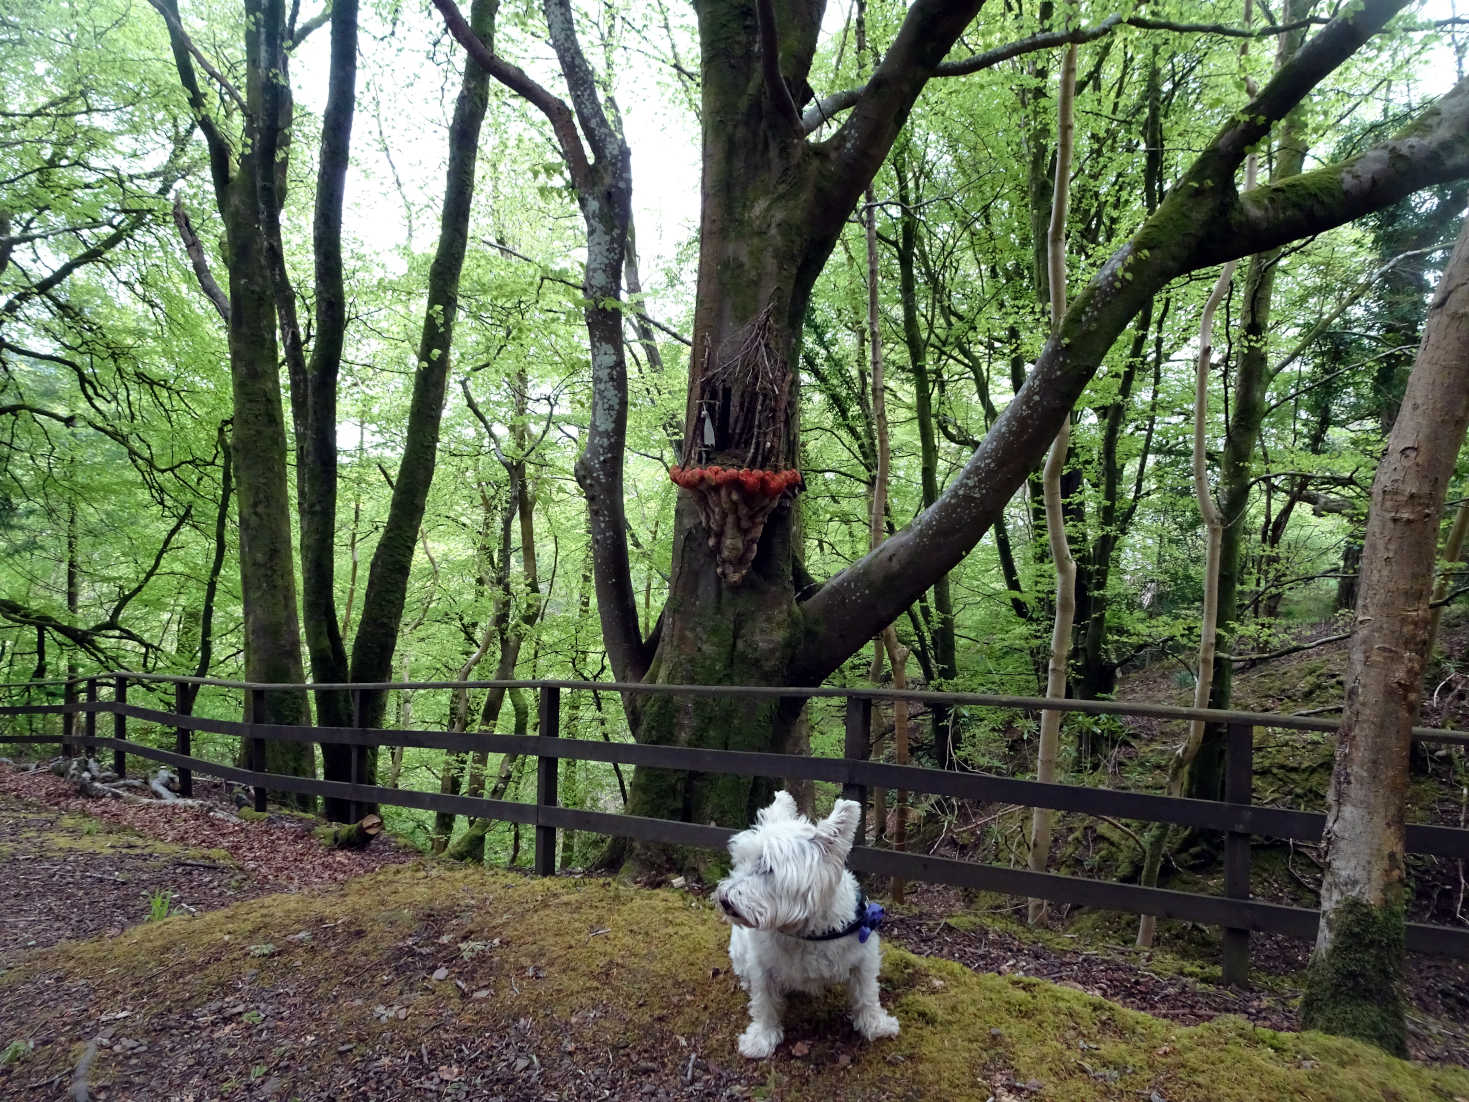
(734, 504)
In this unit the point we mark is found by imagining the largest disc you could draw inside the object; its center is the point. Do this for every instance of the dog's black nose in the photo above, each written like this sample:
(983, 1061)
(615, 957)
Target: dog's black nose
(728, 907)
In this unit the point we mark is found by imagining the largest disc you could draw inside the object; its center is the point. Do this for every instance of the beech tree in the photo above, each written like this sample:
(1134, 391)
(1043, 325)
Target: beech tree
(1353, 984)
(774, 198)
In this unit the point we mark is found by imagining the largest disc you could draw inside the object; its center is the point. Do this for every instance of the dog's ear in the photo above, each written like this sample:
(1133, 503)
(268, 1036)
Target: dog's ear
(782, 807)
(835, 833)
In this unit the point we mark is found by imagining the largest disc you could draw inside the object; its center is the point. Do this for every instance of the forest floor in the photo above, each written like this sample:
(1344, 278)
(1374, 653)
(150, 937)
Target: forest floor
(290, 970)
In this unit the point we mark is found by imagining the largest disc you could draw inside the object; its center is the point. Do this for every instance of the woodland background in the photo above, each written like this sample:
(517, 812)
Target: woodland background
(119, 429)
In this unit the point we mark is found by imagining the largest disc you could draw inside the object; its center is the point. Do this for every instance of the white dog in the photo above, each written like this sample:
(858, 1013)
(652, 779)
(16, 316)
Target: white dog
(799, 921)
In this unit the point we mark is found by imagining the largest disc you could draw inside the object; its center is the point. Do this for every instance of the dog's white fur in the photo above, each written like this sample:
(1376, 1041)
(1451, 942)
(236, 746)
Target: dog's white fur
(789, 879)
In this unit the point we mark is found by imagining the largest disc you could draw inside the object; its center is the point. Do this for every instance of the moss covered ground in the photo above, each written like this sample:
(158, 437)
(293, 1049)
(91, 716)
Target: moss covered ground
(425, 973)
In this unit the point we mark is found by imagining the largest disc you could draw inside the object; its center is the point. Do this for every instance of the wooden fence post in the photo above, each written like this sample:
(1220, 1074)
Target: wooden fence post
(857, 747)
(89, 725)
(182, 741)
(257, 744)
(120, 727)
(69, 719)
(355, 755)
(546, 767)
(1238, 789)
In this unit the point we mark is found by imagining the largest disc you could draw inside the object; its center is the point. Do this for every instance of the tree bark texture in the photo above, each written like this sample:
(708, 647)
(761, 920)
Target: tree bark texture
(1352, 983)
(267, 570)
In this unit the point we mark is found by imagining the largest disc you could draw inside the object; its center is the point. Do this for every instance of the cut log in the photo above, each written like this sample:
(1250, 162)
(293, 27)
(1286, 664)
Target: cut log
(358, 835)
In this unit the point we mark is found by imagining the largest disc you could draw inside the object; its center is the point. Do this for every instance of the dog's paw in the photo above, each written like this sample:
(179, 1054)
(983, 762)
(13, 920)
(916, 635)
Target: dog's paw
(875, 1024)
(758, 1041)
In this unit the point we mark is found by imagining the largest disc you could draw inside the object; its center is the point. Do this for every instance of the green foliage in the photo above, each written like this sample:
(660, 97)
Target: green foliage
(160, 905)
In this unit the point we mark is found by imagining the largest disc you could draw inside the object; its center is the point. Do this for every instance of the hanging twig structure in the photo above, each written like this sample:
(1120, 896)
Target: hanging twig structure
(741, 404)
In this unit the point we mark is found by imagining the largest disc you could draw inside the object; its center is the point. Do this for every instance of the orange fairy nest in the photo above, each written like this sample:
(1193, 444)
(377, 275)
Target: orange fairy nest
(734, 504)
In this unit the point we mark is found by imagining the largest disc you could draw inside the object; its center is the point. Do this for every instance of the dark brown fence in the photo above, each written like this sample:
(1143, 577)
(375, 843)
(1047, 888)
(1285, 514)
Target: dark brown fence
(1236, 816)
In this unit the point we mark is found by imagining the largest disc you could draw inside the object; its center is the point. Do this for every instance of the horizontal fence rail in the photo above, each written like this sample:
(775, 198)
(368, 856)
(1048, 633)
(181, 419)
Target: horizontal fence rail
(1236, 817)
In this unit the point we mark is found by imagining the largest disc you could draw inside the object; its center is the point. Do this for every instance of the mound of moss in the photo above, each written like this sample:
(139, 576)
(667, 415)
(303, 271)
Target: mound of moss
(304, 988)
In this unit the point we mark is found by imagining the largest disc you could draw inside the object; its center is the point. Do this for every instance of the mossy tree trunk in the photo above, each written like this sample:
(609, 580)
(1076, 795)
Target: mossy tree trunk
(1352, 985)
(244, 182)
(773, 204)
(392, 561)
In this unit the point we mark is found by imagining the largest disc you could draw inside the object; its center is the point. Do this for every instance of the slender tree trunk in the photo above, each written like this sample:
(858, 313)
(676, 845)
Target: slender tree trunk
(945, 644)
(1353, 984)
(1049, 741)
(69, 693)
(1241, 435)
(392, 561)
(1178, 766)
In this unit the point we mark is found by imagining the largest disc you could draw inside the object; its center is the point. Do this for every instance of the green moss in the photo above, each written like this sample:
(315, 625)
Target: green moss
(605, 967)
(1354, 988)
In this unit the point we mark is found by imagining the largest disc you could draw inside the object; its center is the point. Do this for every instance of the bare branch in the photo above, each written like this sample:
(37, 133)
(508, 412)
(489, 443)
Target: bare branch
(828, 106)
(212, 291)
(67, 419)
(563, 125)
(125, 599)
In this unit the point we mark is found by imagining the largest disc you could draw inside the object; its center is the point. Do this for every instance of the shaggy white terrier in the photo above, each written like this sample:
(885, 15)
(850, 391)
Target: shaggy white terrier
(799, 921)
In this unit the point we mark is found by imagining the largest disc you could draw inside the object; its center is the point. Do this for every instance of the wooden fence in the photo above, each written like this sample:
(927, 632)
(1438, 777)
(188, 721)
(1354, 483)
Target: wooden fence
(1236, 816)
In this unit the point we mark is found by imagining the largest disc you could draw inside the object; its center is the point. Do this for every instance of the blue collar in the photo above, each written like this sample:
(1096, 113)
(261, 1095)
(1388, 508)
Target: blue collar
(868, 917)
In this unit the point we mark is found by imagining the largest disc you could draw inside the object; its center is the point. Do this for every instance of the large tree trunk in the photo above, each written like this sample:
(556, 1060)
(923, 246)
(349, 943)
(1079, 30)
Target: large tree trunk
(773, 205)
(1353, 983)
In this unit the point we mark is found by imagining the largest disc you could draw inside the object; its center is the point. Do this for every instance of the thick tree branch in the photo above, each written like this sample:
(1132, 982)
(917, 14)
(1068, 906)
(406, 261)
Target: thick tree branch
(67, 419)
(1202, 222)
(221, 156)
(83, 638)
(563, 124)
(212, 290)
(775, 85)
(581, 82)
(858, 147)
(169, 11)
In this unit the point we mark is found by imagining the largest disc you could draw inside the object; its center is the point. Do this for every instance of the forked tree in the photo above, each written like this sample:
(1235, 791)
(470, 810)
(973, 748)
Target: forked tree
(778, 186)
